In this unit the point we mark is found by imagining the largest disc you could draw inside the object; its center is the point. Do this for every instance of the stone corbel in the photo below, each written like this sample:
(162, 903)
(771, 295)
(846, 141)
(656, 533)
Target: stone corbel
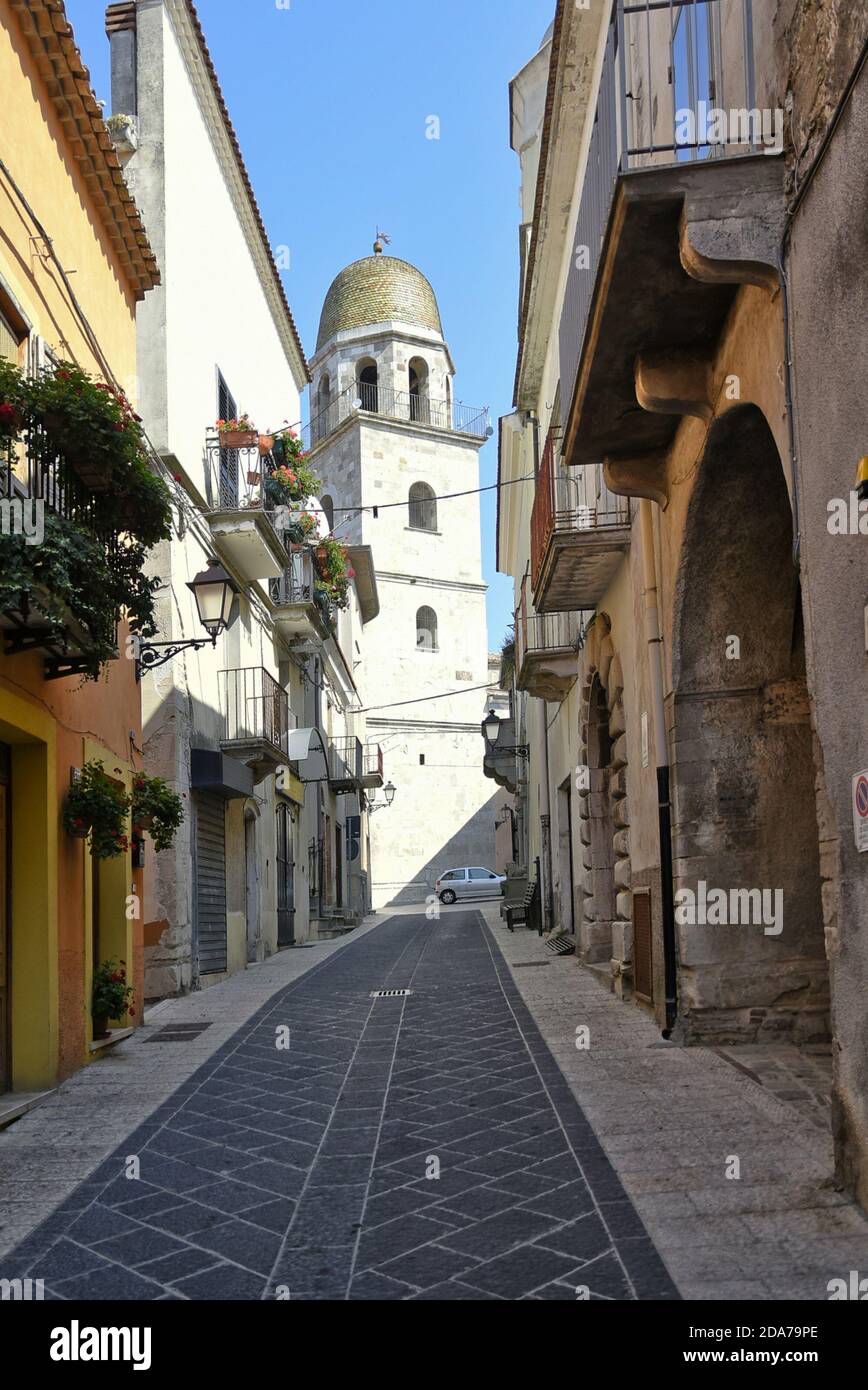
(733, 246)
(674, 382)
(642, 475)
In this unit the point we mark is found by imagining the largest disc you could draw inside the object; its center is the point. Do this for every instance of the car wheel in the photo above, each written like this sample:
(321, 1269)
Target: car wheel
(447, 896)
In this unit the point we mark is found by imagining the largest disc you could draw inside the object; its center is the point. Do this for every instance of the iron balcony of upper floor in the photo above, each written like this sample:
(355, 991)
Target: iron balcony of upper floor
(579, 532)
(372, 766)
(240, 515)
(547, 647)
(346, 764)
(366, 398)
(35, 474)
(676, 211)
(257, 719)
(302, 610)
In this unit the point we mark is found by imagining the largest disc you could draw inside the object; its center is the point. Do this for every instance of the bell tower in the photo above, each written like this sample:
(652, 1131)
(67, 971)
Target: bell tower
(390, 441)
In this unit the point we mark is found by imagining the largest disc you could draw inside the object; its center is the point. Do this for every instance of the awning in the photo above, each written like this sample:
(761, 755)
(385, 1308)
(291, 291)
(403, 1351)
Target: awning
(306, 748)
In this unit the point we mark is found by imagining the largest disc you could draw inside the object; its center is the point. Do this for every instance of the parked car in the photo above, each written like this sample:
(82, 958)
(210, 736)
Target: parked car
(469, 883)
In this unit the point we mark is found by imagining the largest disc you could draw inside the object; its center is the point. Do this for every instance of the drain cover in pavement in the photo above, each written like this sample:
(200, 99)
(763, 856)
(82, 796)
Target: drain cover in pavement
(389, 993)
(178, 1032)
(561, 946)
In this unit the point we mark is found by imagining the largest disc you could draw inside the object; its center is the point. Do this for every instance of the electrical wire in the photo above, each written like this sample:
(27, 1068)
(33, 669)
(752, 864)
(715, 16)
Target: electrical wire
(421, 699)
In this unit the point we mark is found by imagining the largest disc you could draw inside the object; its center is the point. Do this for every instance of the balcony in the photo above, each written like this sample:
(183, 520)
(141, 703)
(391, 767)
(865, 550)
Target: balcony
(346, 765)
(547, 647)
(372, 767)
(36, 483)
(257, 719)
(579, 534)
(411, 407)
(678, 209)
(300, 610)
(239, 514)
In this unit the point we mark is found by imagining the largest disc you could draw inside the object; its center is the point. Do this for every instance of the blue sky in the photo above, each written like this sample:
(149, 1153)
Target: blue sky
(331, 100)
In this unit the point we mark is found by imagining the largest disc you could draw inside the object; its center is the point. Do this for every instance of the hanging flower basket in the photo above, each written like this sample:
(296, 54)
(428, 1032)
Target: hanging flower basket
(98, 806)
(157, 809)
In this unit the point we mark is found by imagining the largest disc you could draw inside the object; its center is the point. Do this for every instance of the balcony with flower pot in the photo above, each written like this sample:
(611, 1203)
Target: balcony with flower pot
(238, 461)
(84, 505)
(302, 611)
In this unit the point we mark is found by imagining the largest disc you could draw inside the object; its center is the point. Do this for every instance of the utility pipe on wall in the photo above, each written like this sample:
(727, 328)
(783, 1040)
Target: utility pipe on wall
(661, 750)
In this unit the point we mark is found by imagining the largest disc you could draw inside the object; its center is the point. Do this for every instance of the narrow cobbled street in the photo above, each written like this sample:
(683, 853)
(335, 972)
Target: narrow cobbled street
(416, 1145)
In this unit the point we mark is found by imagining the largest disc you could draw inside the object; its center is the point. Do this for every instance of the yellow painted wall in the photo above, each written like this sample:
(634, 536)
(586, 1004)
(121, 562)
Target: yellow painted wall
(54, 726)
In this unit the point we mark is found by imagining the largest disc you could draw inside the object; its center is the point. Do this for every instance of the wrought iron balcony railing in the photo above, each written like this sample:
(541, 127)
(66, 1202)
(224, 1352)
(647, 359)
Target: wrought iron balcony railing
(235, 478)
(373, 760)
(577, 525)
(346, 763)
(372, 399)
(255, 709)
(35, 470)
(668, 65)
(546, 651)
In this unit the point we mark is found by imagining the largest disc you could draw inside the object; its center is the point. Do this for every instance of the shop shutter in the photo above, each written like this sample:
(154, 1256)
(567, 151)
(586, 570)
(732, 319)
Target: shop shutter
(211, 882)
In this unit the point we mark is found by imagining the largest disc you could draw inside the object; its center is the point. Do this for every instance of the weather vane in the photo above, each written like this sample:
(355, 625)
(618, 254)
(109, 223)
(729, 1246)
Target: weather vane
(381, 241)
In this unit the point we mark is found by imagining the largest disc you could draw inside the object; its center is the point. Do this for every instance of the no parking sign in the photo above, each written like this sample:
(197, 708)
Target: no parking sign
(860, 810)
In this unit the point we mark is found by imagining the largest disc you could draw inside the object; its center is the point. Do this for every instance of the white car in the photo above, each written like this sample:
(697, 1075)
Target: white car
(469, 883)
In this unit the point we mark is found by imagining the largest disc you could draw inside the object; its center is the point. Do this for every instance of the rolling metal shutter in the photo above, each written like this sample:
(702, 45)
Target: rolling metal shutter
(643, 975)
(211, 882)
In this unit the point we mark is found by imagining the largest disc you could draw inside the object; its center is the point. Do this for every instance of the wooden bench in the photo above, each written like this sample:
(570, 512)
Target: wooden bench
(527, 910)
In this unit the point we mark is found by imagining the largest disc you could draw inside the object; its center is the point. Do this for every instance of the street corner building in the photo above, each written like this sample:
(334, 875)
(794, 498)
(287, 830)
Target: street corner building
(688, 670)
(391, 442)
(68, 697)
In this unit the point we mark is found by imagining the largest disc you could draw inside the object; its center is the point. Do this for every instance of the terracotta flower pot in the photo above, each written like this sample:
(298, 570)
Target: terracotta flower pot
(253, 477)
(266, 443)
(238, 439)
(100, 1026)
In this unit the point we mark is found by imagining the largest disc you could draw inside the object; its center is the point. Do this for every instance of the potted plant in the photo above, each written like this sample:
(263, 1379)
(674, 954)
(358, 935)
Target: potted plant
(266, 443)
(332, 563)
(292, 482)
(237, 434)
(111, 996)
(156, 808)
(98, 807)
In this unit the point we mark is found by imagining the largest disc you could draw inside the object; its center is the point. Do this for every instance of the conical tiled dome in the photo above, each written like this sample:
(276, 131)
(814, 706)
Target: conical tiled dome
(378, 289)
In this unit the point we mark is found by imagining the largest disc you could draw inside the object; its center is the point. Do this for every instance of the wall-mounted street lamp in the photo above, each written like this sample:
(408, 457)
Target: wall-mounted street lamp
(389, 793)
(214, 593)
(490, 730)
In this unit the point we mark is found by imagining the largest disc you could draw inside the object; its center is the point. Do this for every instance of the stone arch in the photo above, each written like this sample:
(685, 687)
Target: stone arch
(419, 377)
(744, 795)
(605, 932)
(368, 383)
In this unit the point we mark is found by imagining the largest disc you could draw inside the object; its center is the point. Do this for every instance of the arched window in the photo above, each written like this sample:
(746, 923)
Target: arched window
(323, 398)
(328, 507)
(426, 630)
(367, 381)
(419, 404)
(423, 507)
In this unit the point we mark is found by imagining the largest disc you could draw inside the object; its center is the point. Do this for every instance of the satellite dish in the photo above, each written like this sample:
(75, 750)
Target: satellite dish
(489, 431)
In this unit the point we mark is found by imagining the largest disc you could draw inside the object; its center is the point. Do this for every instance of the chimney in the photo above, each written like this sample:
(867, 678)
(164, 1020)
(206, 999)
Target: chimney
(120, 25)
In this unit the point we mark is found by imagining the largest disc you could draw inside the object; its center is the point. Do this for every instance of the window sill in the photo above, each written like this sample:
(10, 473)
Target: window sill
(423, 530)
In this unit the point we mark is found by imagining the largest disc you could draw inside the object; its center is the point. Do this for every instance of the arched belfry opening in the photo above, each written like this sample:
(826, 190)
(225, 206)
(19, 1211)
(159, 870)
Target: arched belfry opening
(367, 382)
(419, 396)
(752, 958)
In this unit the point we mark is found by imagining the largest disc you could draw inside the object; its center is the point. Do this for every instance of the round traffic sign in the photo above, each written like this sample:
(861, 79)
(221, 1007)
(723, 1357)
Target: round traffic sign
(861, 795)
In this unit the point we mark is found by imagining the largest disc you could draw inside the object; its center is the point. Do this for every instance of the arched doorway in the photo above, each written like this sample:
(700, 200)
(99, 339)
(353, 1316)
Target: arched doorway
(752, 957)
(367, 380)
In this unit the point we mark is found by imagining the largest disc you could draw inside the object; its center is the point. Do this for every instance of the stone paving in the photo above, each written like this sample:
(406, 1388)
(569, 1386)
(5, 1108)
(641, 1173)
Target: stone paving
(418, 1146)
